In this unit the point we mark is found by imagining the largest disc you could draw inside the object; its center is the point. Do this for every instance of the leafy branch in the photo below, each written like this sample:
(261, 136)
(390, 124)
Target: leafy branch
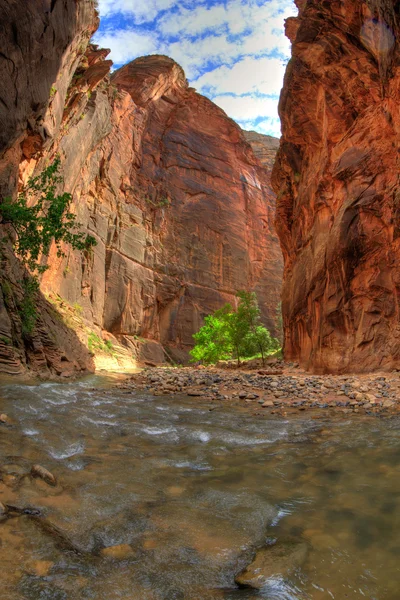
(40, 216)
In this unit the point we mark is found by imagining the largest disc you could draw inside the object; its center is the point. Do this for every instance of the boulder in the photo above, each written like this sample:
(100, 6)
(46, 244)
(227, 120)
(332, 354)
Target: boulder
(281, 558)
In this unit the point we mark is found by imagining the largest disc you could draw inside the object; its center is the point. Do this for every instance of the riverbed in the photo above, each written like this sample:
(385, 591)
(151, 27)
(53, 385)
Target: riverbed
(190, 491)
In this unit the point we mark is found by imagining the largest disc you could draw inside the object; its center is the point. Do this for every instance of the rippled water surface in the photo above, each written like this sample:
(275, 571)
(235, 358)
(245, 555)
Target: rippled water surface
(195, 492)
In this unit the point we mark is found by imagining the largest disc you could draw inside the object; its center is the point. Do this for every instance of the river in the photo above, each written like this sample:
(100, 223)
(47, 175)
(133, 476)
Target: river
(194, 492)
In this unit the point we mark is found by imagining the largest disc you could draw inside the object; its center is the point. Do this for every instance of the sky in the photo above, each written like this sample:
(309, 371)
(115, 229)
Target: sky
(233, 51)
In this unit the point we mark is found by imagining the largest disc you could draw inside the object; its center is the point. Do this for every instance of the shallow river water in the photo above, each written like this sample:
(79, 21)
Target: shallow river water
(195, 492)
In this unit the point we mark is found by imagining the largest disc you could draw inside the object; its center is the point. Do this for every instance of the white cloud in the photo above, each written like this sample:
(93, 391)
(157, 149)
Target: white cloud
(193, 22)
(127, 44)
(250, 75)
(233, 51)
(270, 126)
(194, 57)
(247, 108)
(234, 16)
(143, 12)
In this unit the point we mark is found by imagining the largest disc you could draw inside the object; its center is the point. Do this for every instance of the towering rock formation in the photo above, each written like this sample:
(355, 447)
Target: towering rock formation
(181, 208)
(40, 41)
(337, 181)
(265, 148)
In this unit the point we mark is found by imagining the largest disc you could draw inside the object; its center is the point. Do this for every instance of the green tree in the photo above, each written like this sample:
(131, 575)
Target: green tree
(40, 216)
(258, 339)
(213, 341)
(238, 328)
(237, 333)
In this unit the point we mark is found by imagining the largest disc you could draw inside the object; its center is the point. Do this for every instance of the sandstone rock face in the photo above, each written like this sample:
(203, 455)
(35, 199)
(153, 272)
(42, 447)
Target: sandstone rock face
(41, 41)
(181, 208)
(265, 148)
(337, 183)
(179, 202)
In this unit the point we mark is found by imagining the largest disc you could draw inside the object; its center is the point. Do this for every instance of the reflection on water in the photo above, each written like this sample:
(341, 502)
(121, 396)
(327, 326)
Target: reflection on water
(194, 492)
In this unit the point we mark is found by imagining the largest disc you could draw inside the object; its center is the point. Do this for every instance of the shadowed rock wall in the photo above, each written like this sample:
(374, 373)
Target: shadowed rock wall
(40, 41)
(337, 182)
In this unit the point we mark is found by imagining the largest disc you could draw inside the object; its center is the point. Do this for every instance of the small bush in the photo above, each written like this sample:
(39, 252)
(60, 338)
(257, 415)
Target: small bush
(27, 307)
(96, 343)
(40, 216)
(77, 308)
(234, 333)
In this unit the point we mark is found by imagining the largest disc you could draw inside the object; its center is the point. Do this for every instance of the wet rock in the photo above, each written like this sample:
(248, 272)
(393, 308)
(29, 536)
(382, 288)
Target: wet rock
(119, 552)
(388, 404)
(268, 404)
(11, 480)
(242, 394)
(278, 559)
(150, 544)
(42, 473)
(39, 568)
(370, 398)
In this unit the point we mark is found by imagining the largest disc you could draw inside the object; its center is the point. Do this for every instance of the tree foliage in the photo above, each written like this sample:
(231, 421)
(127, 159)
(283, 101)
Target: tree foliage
(213, 341)
(234, 333)
(40, 216)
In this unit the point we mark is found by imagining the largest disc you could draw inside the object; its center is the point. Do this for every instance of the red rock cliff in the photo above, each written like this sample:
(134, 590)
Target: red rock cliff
(40, 41)
(182, 209)
(337, 181)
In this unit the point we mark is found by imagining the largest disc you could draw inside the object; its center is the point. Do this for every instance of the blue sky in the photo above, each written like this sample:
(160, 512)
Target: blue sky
(233, 51)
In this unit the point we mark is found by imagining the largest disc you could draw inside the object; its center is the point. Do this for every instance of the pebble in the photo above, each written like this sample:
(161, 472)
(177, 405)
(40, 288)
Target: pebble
(285, 389)
(42, 473)
(267, 404)
(40, 568)
(119, 552)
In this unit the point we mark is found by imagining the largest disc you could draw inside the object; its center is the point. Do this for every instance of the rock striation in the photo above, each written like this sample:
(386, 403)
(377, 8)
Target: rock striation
(40, 41)
(265, 148)
(177, 196)
(337, 182)
(181, 208)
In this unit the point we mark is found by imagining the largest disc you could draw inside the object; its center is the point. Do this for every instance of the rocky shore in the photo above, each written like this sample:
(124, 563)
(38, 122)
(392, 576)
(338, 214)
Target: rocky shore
(279, 389)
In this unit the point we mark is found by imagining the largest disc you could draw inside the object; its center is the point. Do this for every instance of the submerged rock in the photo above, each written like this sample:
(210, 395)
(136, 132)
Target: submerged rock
(39, 568)
(42, 473)
(278, 559)
(119, 552)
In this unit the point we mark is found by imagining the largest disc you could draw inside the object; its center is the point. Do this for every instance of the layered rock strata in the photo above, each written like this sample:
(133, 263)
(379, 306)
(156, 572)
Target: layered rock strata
(179, 203)
(41, 41)
(181, 208)
(337, 182)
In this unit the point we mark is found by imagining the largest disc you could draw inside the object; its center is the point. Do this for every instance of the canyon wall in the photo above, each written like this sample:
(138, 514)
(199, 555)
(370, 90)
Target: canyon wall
(179, 202)
(40, 41)
(181, 208)
(337, 182)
